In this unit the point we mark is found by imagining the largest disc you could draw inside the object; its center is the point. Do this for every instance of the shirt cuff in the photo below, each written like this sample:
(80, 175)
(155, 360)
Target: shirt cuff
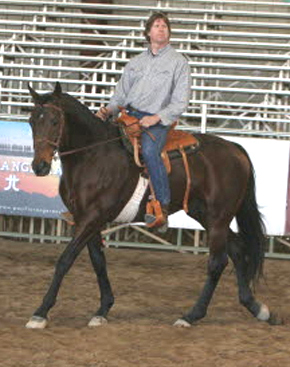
(114, 108)
(166, 120)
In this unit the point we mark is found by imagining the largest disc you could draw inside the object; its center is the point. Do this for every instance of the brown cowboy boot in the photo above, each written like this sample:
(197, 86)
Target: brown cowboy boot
(163, 228)
(154, 220)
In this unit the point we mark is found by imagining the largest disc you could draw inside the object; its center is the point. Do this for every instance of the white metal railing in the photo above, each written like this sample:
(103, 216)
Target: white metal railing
(44, 42)
(183, 3)
(128, 18)
(119, 28)
(192, 53)
(146, 8)
(102, 37)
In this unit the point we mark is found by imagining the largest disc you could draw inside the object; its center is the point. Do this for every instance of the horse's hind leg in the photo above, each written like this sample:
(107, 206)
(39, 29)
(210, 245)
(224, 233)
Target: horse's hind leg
(246, 297)
(217, 262)
(98, 260)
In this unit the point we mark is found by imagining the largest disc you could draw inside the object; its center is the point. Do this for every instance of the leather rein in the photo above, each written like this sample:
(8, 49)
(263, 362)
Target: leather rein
(56, 143)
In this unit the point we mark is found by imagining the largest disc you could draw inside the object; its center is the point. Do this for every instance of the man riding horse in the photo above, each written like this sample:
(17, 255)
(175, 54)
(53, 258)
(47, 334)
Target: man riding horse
(155, 88)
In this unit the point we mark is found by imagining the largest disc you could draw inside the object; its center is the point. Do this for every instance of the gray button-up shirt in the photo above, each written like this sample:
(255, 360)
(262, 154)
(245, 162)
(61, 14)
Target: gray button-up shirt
(158, 84)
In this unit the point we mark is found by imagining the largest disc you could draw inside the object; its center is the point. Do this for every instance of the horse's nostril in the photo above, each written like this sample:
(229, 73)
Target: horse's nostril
(41, 169)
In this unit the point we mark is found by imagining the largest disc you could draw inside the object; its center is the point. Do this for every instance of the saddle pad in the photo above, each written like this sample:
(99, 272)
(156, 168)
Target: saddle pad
(130, 210)
(177, 139)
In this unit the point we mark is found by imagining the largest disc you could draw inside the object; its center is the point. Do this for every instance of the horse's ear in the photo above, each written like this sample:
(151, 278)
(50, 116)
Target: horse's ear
(57, 89)
(34, 94)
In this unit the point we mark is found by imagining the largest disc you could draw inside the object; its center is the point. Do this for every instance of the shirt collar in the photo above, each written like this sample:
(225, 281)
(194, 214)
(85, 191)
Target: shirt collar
(161, 51)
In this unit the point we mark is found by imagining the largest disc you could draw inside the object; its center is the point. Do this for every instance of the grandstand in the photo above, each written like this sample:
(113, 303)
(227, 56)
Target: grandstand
(238, 52)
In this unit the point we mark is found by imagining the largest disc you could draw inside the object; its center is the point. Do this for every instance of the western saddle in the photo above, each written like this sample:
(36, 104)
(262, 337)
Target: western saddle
(176, 141)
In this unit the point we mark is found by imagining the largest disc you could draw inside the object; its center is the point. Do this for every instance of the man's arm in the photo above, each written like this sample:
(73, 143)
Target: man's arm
(180, 95)
(148, 121)
(104, 113)
(118, 98)
(121, 91)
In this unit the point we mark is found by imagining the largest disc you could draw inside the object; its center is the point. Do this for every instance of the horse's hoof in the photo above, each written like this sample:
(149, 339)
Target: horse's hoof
(97, 321)
(182, 323)
(264, 313)
(275, 319)
(36, 322)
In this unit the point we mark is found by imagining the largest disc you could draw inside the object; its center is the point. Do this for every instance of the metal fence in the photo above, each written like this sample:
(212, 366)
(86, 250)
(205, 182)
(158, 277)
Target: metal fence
(237, 50)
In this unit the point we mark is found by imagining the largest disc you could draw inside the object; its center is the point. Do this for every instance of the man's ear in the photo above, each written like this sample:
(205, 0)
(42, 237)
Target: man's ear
(34, 94)
(57, 89)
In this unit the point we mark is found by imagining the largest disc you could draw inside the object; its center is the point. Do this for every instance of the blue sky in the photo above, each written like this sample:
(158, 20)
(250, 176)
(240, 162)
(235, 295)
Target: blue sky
(15, 133)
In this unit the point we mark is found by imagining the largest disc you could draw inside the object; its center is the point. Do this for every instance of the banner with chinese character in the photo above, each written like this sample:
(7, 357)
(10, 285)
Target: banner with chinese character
(21, 192)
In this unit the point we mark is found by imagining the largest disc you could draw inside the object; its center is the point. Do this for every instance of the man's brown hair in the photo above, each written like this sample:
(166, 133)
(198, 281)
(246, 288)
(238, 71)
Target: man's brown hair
(151, 20)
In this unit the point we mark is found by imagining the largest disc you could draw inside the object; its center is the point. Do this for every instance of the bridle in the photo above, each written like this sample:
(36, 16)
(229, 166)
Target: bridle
(39, 139)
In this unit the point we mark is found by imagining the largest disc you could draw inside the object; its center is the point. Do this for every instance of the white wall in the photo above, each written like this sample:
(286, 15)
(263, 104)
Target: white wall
(270, 158)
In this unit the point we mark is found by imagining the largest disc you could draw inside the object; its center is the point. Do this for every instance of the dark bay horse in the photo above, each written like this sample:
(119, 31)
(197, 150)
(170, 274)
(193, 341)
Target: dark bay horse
(100, 176)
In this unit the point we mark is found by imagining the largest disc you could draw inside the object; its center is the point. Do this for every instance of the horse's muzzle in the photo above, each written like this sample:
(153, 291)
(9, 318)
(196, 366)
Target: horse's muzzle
(41, 168)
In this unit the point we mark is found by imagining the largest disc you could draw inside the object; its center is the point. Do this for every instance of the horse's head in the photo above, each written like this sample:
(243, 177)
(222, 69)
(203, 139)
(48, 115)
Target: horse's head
(47, 122)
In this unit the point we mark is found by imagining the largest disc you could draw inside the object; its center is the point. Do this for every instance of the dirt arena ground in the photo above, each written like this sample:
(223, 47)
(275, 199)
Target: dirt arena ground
(152, 290)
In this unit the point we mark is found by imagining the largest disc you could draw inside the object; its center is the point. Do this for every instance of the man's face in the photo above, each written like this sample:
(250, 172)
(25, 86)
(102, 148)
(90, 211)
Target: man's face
(159, 32)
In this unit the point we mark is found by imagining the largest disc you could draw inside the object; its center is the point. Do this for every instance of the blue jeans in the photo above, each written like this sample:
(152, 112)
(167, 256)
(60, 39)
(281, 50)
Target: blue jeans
(151, 152)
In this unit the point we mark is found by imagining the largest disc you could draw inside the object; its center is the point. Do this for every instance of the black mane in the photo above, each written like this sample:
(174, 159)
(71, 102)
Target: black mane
(86, 119)
(73, 107)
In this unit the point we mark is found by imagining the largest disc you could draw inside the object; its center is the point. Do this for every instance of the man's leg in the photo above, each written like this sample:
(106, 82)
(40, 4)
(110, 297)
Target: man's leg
(151, 152)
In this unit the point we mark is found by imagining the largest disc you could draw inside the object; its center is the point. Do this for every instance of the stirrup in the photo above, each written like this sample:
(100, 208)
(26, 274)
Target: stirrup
(155, 216)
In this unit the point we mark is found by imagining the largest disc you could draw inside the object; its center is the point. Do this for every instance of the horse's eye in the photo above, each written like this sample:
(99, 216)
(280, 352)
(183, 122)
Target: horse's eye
(54, 121)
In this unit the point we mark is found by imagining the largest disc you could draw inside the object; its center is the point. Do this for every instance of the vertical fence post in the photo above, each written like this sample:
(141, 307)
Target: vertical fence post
(203, 118)
(179, 239)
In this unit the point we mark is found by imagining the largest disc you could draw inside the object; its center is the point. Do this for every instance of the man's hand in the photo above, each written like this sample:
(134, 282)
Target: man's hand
(148, 121)
(104, 113)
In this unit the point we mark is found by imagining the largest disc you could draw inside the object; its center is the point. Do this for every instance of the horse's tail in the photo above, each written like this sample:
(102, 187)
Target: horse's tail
(251, 228)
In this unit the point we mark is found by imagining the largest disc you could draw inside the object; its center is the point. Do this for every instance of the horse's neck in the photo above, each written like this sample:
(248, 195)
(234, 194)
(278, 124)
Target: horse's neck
(77, 133)
(93, 147)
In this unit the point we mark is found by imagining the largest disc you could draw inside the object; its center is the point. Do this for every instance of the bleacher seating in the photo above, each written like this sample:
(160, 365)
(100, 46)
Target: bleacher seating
(238, 52)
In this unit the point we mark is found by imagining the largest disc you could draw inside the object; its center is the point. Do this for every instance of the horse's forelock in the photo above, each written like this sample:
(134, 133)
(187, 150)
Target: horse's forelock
(45, 99)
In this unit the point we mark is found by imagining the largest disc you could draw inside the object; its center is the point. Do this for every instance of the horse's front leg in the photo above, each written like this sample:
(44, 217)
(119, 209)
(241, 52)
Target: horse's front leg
(217, 262)
(67, 258)
(98, 260)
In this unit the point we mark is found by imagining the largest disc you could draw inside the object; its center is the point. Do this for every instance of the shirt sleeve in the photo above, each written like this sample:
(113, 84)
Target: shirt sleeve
(121, 91)
(180, 95)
